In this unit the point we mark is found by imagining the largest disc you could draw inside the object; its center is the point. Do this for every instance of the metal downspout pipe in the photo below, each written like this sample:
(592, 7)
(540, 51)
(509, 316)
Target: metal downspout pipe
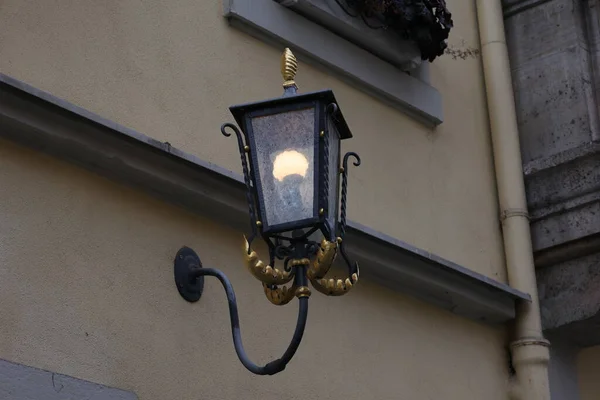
(529, 348)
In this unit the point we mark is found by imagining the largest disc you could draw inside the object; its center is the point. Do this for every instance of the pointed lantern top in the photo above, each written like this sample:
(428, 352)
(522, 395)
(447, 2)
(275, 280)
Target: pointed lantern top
(289, 68)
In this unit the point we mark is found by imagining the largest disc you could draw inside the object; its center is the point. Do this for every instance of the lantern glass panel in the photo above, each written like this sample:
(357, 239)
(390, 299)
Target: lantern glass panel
(284, 151)
(333, 138)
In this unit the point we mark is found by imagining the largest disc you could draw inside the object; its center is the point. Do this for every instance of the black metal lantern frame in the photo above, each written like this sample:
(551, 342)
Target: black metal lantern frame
(325, 109)
(291, 240)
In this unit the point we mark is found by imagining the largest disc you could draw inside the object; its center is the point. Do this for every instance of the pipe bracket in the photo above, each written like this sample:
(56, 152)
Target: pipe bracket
(514, 212)
(530, 342)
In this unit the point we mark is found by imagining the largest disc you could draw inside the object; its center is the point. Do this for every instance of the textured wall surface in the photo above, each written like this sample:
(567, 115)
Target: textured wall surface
(588, 365)
(87, 291)
(171, 69)
(550, 57)
(554, 47)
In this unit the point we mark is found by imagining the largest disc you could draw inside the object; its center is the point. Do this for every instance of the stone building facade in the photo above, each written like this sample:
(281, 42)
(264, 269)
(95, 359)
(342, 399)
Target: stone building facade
(555, 59)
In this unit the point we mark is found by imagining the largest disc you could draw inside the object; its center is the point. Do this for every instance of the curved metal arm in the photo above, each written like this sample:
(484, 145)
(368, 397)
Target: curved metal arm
(275, 366)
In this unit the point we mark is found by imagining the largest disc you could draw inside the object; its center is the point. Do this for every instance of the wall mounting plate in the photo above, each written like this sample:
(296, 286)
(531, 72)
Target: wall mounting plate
(185, 262)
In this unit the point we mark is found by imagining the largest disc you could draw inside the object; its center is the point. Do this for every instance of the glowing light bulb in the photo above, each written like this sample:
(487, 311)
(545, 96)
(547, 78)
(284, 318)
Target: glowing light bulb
(290, 162)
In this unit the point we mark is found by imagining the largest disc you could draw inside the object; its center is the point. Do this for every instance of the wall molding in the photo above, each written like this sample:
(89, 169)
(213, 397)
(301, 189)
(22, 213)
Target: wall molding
(40, 121)
(21, 382)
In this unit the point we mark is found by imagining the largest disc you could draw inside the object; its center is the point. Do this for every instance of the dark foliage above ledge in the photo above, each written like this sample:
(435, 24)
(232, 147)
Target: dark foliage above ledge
(426, 22)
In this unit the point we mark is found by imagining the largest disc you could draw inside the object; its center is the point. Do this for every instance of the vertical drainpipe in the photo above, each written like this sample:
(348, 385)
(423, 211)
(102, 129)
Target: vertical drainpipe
(530, 350)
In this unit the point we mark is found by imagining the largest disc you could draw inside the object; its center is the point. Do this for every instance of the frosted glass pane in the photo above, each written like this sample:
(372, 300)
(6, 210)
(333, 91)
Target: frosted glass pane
(334, 167)
(284, 146)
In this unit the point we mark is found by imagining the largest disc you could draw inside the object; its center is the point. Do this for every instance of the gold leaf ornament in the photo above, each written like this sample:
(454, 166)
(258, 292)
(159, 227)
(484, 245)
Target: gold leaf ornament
(264, 273)
(289, 68)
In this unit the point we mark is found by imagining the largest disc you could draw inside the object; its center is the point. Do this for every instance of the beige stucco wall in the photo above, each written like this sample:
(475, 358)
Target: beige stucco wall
(588, 371)
(86, 282)
(86, 289)
(171, 69)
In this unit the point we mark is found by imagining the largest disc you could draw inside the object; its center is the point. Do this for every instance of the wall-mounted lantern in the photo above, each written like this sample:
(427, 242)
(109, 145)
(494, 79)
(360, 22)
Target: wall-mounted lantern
(293, 171)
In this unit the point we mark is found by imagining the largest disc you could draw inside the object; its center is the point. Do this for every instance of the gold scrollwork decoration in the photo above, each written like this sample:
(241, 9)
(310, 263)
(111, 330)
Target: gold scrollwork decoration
(280, 296)
(335, 287)
(323, 260)
(265, 273)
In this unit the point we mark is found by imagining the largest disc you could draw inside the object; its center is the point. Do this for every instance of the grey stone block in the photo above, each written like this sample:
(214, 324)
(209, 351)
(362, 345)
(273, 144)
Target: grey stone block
(570, 299)
(541, 28)
(553, 78)
(566, 226)
(564, 198)
(20, 382)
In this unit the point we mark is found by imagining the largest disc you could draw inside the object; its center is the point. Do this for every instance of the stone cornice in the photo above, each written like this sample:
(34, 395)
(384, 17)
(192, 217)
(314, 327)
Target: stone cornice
(563, 195)
(512, 7)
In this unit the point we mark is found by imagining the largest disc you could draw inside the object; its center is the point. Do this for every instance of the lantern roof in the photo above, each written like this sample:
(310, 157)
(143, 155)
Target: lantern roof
(289, 67)
(325, 96)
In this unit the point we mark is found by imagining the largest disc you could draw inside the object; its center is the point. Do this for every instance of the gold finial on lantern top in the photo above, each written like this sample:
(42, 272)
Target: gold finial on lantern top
(289, 67)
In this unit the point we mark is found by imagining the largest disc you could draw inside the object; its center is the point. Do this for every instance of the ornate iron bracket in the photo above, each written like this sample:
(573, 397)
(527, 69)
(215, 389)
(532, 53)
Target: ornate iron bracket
(189, 278)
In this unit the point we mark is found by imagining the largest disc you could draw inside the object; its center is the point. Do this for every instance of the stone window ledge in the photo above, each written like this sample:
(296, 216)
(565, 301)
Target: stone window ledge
(299, 25)
(385, 44)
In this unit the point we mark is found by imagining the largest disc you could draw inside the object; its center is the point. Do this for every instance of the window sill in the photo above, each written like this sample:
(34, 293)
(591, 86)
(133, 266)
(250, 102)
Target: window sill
(279, 25)
(384, 44)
